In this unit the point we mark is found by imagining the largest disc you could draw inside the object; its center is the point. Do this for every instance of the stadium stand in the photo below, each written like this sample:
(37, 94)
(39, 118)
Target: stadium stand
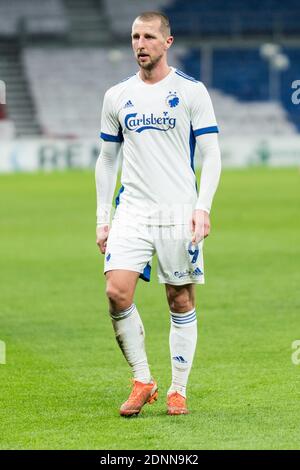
(234, 18)
(35, 16)
(56, 88)
(7, 128)
(88, 22)
(19, 104)
(256, 118)
(75, 110)
(213, 17)
(2, 112)
(242, 73)
(121, 14)
(288, 76)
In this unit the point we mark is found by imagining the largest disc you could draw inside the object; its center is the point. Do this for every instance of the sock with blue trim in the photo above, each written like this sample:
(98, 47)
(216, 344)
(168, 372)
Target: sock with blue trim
(130, 335)
(183, 340)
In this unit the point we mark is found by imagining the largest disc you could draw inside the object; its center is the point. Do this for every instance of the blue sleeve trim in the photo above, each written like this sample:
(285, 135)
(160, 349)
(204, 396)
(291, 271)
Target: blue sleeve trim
(112, 138)
(206, 130)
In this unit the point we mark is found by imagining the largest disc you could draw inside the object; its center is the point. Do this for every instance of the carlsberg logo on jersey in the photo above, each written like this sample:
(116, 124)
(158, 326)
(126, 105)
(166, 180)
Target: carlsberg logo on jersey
(143, 122)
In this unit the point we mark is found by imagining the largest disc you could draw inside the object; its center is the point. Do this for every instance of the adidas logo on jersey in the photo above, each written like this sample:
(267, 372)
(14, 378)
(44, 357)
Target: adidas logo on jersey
(128, 104)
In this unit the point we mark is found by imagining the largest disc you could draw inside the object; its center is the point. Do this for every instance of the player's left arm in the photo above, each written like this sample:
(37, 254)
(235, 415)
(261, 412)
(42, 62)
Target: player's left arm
(208, 146)
(205, 130)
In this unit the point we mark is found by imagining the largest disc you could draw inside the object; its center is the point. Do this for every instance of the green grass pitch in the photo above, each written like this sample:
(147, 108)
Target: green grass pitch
(65, 377)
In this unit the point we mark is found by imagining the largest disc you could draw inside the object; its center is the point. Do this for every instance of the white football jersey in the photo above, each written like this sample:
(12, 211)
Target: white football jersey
(158, 125)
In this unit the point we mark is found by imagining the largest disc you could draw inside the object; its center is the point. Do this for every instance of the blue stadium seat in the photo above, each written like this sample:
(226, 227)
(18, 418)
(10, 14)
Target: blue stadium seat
(228, 17)
(243, 74)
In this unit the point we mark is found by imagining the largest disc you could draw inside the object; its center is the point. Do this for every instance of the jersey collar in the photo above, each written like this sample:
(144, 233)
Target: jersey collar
(160, 82)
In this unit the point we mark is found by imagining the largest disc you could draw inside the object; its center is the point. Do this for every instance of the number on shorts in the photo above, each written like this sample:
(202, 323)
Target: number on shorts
(194, 252)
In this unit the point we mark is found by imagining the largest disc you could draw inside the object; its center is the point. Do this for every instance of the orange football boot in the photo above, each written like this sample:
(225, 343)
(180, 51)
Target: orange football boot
(176, 404)
(140, 395)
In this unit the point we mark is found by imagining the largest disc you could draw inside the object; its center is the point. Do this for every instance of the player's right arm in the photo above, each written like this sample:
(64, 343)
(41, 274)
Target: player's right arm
(107, 169)
(106, 176)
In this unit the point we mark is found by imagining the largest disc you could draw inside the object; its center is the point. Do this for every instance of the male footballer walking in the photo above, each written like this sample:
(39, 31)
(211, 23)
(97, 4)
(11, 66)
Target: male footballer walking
(158, 116)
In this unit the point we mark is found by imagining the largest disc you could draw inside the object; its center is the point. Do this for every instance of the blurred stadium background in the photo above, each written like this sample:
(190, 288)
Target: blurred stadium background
(58, 57)
(63, 378)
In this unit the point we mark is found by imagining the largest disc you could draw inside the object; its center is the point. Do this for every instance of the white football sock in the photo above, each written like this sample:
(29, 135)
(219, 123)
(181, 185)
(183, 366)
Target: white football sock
(183, 340)
(130, 335)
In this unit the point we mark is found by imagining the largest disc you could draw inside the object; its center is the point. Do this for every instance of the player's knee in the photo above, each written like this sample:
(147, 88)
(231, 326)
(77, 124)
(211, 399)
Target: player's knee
(117, 296)
(181, 301)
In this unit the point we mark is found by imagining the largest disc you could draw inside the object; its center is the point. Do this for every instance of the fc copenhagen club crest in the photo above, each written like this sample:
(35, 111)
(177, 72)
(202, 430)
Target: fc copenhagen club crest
(172, 99)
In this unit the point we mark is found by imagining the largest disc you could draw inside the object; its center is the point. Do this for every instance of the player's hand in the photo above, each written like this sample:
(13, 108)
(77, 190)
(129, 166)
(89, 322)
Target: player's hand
(101, 237)
(200, 225)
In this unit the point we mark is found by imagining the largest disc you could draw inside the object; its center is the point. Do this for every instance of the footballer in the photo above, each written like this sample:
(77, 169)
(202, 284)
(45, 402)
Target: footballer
(157, 117)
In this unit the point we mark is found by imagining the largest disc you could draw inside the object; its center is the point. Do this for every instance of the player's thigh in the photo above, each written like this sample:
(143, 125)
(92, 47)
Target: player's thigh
(128, 253)
(179, 262)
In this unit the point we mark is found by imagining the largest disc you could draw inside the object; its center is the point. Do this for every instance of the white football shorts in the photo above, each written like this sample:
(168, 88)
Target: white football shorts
(131, 247)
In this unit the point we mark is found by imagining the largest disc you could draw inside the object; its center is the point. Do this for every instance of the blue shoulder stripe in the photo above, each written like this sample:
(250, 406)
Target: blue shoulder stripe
(187, 77)
(206, 130)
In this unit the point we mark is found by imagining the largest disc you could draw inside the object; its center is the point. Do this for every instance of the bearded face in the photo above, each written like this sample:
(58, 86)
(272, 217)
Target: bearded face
(148, 43)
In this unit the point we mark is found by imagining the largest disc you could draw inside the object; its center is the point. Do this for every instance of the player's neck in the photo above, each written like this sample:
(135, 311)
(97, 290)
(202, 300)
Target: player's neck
(155, 75)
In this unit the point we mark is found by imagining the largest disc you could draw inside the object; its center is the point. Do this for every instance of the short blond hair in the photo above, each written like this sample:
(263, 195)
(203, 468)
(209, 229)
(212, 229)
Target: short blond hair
(164, 20)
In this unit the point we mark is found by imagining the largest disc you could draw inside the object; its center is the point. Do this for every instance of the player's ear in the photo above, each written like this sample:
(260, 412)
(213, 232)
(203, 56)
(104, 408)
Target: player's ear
(169, 41)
